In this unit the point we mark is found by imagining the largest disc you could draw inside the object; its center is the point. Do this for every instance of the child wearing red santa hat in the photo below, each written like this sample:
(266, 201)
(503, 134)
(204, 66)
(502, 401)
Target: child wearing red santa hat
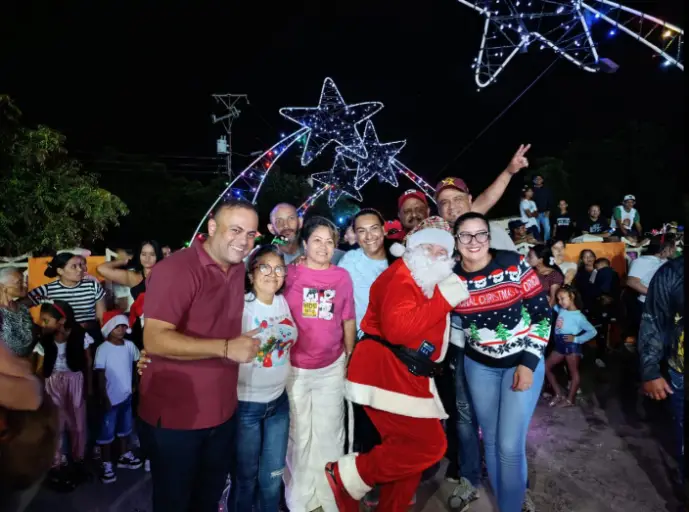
(114, 365)
(391, 371)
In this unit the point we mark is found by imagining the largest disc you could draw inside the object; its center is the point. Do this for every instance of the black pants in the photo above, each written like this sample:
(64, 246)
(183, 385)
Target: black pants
(446, 389)
(189, 468)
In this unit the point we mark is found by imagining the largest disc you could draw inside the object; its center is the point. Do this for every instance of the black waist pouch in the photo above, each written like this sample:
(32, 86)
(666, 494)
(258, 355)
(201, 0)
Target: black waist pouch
(418, 364)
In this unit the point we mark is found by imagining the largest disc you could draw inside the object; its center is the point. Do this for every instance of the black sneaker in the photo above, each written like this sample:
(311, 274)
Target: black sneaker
(107, 474)
(129, 461)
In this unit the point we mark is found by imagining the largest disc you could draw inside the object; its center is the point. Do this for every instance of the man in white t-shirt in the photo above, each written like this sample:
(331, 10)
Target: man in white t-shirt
(642, 271)
(626, 220)
(644, 268)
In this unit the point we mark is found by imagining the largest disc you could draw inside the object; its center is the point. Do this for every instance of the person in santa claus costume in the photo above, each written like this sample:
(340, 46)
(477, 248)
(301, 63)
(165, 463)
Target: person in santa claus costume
(406, 333)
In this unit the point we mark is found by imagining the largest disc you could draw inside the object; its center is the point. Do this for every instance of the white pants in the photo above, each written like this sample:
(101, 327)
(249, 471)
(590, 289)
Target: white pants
(316, 435)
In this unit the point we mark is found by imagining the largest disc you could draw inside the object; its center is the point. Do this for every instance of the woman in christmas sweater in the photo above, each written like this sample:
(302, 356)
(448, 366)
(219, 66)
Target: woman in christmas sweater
(506, 321)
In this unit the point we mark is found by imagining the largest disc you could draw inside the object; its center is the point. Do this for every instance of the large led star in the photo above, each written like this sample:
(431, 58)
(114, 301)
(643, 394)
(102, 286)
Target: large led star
(511, 26)
(378, 161)
(569, 28)
(341, 180)
(331, 121)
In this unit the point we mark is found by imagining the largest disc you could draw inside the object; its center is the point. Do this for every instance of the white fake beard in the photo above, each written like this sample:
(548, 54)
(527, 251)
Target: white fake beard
(428, 271)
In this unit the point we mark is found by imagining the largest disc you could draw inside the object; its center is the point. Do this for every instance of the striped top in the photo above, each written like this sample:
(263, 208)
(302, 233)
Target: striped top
(82, 298)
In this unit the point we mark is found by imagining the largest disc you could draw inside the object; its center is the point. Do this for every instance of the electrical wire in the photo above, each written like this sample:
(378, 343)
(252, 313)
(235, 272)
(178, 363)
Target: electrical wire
(496, 118)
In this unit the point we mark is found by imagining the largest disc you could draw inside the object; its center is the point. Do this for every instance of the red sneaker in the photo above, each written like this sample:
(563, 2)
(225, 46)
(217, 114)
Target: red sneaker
(345, 503)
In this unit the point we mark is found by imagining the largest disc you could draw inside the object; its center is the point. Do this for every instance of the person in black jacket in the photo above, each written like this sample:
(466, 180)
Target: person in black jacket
(661, 336)
(65, 363)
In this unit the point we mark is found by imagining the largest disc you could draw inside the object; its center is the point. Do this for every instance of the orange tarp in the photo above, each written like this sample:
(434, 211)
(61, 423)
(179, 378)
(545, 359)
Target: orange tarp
(38, 265)
(615, 252)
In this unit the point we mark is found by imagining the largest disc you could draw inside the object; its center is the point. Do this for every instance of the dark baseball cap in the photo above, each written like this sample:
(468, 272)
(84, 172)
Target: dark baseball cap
(514, 224)
(456, 183)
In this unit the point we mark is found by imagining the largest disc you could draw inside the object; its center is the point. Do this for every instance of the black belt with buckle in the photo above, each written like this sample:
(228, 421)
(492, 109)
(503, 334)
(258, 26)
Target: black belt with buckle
(418, 364)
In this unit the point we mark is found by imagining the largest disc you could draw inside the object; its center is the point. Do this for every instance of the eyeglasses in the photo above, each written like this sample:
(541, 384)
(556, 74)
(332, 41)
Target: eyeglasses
(266, 270)
(481, 237)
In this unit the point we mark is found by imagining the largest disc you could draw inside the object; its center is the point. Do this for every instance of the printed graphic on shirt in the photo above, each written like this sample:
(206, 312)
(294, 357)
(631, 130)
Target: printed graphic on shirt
(559, 324)
(277, 337)
(318, 304)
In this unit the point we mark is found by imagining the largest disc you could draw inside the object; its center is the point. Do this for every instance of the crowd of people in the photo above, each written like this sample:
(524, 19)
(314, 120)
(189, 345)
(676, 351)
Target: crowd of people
(293, 371)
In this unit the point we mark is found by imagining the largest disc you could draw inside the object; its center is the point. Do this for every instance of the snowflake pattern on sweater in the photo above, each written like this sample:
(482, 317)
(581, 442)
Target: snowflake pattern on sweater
(506, 318)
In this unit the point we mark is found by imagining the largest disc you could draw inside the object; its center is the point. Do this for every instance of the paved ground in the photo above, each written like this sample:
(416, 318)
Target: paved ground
(606, 454)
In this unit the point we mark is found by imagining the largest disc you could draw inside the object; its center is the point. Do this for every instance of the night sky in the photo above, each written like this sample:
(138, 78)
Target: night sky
(138, 76)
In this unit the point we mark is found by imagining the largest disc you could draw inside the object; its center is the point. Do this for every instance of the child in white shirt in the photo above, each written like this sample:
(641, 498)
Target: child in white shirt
(114, 364)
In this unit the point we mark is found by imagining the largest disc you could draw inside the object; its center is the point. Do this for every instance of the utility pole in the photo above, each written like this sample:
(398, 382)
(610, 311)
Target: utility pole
(224, 143)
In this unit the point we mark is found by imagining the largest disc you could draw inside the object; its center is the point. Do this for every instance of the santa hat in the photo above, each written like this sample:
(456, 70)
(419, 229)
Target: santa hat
(433, 230)
(113, 319)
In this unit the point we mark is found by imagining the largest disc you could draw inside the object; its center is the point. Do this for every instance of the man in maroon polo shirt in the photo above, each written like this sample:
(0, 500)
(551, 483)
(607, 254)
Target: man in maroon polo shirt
(193, 311)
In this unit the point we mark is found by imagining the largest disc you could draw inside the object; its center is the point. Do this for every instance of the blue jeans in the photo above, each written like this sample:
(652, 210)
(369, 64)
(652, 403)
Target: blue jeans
(677, 404)
(261, 448)
(544, 225)
(466, 424)
(504, 416)
(117, 421)
(189, 468)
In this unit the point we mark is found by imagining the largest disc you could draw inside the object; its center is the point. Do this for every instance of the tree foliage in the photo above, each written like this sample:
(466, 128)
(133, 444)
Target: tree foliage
(48, 200)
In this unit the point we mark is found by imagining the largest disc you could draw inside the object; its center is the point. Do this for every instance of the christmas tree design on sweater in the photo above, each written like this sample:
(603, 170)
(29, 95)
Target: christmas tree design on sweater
(507, 316)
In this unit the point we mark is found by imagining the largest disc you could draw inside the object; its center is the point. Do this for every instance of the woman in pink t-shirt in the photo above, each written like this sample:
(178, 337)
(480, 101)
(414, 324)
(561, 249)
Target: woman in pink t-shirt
(321, 298)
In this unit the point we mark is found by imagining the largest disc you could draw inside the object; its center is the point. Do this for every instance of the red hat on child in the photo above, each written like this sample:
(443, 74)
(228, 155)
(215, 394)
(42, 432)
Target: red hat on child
(113, 319)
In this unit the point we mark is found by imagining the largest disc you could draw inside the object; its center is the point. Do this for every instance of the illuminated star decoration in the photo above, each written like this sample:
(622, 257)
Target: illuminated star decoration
(340, 178)
(378, 161)
(568, 28)
(331, 121)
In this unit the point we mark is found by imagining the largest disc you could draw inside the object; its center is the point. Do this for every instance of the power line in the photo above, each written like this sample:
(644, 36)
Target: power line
(496, 118)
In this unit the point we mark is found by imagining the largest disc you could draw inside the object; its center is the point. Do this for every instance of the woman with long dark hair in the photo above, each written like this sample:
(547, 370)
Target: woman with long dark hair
(549, 274)
(132, 273)
(583, 279)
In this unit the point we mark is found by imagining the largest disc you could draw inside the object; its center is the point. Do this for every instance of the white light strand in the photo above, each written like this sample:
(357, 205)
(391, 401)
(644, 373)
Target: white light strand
(378, 161)
(341, 179)
(311, 200)
(248, 183)
(562, 26)
(331, 121)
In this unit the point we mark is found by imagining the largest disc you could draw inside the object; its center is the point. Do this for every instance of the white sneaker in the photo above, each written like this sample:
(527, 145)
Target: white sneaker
(107, 474)
(129, 461)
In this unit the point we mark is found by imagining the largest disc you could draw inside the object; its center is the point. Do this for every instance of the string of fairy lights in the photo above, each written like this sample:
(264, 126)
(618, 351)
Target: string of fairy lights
(359, 157)
(570, 28)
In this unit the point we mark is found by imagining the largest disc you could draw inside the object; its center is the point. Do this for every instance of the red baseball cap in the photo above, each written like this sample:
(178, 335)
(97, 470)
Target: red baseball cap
(456, 183)
(416, 194)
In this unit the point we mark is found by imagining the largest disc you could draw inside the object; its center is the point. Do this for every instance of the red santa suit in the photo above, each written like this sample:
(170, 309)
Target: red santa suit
(405, 408)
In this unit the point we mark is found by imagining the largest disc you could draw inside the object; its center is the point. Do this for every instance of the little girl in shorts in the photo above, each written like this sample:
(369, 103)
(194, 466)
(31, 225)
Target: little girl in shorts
(572, 330)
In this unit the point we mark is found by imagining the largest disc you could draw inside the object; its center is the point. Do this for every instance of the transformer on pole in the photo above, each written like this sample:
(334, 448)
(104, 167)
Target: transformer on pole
(224, 143)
